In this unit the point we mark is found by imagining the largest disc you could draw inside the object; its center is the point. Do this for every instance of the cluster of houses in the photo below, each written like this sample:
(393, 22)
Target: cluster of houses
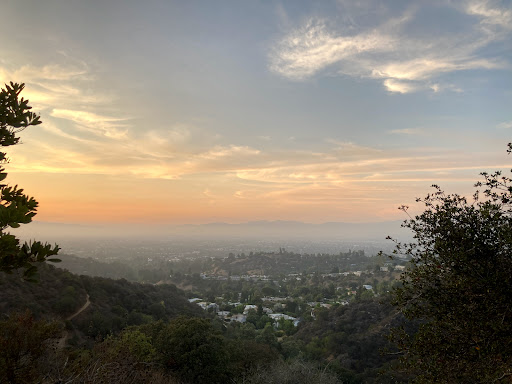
(235, 277)
(242, 317)
(228, 316)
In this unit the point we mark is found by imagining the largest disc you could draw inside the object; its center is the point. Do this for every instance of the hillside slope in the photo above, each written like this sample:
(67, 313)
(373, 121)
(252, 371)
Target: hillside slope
(115, 304)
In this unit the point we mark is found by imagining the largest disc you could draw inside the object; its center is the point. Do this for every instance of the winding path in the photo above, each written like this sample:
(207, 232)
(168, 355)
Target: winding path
(62, 341)
(87, 303)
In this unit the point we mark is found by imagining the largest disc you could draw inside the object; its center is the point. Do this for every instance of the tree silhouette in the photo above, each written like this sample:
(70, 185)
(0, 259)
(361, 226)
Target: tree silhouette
(459, 286)
(15, 207)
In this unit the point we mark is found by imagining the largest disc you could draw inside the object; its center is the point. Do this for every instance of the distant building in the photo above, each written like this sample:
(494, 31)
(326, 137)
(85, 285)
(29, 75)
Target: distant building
(249, 307)
(223, 314)
(239, 318)
(278, 316)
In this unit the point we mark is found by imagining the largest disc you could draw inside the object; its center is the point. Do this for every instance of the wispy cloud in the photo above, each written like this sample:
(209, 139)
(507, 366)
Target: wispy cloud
(66, 84)
(100, 125)
(505, 125)
(491, 13)
(391, 51)
(399, 86)
(407, 131)
(231, 151)
(314, 47)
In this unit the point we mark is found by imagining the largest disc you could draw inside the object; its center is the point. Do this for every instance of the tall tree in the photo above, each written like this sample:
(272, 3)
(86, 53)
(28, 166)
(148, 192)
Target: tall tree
(459, 286)
(15, 207)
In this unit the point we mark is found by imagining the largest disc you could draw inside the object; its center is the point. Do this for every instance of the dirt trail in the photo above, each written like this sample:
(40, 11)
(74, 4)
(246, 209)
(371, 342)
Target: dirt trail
(87, 303)
(65, 334)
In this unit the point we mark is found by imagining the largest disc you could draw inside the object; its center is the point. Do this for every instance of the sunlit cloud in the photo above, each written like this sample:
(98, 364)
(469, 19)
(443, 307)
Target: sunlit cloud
(102, 125)
(399, 86)
(491, 13)
(208, 193)
(313, 47)
(65, 84)
(350, 149)
(239, 194)
(233, 150)
(388, 52)
(43, 74)
(52, 129)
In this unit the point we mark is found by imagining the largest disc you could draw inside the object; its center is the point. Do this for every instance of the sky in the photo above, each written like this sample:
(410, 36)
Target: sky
(232, 111)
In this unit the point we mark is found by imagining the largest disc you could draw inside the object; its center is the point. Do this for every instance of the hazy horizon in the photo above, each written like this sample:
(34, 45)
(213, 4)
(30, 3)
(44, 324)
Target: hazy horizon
(257, 230)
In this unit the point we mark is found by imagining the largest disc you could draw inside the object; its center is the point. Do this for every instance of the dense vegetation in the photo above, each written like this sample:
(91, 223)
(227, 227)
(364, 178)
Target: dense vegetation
(460, 286)
(198, 350)
(191, 348)
(115, 304)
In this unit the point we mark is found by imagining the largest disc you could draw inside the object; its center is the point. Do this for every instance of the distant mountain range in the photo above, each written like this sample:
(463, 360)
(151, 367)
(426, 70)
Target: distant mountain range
(252, 229)
(292, 229)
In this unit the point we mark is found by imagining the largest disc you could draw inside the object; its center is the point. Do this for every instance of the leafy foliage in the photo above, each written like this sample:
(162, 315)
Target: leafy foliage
(23, 343)
(460, 286)
(296, 372)
(123, 359)
(115, 304)
(193, 349)
(351, 338)
(58, 293)
(15, 207)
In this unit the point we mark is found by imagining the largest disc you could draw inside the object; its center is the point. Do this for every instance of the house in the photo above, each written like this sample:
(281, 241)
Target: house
(249, 307)
(223, 314)
(278, 316)
(239, 318)
(194, 300)
(274, 299)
